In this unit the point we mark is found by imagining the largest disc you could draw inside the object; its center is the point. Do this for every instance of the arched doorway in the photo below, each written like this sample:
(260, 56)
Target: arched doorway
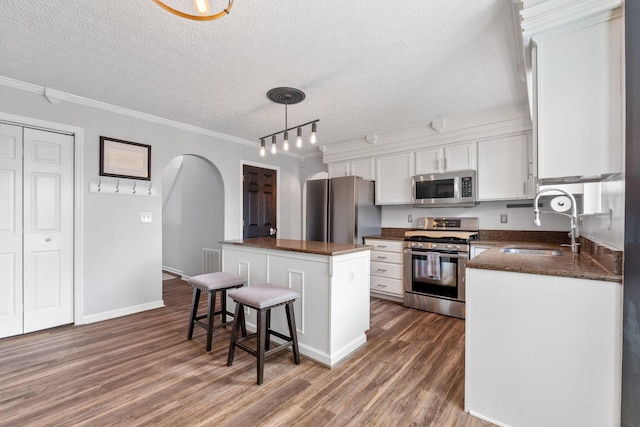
(192, 216)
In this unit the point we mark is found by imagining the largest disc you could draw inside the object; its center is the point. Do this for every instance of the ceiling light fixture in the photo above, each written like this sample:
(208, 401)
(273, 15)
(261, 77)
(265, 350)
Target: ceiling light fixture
(288, 96)
(201, 10)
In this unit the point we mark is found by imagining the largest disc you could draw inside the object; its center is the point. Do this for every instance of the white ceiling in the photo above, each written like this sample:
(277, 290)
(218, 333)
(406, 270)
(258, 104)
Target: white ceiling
(366, 66)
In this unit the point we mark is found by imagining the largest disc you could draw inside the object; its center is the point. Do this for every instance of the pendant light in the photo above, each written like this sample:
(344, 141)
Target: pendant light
(288, 96)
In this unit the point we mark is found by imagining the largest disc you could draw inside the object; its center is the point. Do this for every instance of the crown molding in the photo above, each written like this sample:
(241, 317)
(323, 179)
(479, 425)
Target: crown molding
(462, 129)
(80, 100)
(551, 14)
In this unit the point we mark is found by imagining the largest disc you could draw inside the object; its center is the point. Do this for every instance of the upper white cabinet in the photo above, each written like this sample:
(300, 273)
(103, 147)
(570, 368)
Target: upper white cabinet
(393, 179)
(503, 169)
(338, 169)
(577, 89)
(450, 157)
(363, 168)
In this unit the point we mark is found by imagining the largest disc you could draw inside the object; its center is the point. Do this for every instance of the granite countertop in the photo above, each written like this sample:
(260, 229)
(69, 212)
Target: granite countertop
(400, 238)
(304, 246)
(581, 266)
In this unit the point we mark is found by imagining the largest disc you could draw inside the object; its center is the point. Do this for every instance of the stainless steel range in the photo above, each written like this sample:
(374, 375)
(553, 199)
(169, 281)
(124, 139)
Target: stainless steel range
(435, 258)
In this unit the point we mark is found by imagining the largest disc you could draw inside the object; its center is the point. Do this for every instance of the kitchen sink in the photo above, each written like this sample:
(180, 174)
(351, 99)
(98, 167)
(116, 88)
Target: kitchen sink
(531, 251)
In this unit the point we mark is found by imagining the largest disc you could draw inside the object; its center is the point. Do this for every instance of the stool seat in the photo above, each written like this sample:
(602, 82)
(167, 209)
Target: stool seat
(263, 295)
(263, 298)
(211, 283)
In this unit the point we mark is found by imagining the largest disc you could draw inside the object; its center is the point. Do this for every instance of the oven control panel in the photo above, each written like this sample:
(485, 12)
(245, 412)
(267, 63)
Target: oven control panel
(437, 246)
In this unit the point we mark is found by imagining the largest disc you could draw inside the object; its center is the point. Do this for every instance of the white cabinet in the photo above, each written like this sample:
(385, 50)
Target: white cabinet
(338, 169)
(363, 168)
(578, 91)
(393, 179)
(542, 350)
(503, 169)
(450, 157)
(386, 268)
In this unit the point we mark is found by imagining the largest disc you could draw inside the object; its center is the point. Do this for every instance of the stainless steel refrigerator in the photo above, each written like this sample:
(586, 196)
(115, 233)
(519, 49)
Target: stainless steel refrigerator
(341, 210)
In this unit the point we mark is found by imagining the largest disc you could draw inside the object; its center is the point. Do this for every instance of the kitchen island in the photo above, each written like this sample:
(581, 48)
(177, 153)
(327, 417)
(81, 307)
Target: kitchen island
(332, 314)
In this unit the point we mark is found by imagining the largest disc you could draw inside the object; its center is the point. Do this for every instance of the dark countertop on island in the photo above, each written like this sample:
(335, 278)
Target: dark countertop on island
(304, 246)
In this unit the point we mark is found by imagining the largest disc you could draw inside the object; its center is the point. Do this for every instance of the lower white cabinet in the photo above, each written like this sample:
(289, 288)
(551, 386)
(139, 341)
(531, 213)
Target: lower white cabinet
(503, 168)
(386, 268)
(542, 350)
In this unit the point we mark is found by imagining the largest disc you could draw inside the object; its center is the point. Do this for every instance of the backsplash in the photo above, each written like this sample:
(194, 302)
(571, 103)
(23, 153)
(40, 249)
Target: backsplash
(600, 227)
(488, 213)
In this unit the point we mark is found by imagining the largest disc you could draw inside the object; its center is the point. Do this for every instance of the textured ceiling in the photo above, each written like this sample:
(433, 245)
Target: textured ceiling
(366, 66)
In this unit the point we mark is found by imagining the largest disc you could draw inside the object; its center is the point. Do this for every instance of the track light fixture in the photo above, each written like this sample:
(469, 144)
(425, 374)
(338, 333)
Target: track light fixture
(287, 96)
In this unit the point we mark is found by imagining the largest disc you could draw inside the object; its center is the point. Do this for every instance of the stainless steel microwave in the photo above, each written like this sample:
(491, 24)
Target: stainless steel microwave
(444, 189)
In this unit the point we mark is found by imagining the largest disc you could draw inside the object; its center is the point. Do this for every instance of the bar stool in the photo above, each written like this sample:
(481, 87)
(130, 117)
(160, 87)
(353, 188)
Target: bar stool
(212, 283)
(263, 298)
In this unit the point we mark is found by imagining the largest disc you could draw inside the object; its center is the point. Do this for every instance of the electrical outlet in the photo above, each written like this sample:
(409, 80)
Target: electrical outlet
(409, 218)
(503, 218)
(145, 217)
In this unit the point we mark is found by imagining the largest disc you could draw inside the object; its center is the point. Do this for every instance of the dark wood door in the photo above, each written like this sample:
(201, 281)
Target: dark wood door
(259, 202)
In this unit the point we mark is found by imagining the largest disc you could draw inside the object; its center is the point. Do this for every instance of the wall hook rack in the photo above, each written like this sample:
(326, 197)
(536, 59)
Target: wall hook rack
(120, 187)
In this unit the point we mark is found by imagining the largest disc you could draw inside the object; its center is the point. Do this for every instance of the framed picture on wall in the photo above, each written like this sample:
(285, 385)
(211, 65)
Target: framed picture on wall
(124, 159)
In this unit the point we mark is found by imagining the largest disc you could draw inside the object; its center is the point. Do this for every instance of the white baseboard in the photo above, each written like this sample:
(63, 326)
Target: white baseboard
(172, 270)
(92, 318)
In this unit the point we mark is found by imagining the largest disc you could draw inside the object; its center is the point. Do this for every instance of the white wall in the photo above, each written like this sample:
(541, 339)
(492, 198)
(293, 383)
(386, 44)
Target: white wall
(122, 257)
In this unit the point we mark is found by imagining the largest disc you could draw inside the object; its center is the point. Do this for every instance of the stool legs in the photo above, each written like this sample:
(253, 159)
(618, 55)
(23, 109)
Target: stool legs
(211, 308)
(291, 320)
(238, 320)
(194, 311)
(263, 336)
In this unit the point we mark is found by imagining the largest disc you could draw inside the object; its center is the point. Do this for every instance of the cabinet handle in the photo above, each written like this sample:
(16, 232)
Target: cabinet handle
(381, 246)
(445, 163)
(381, 257)
(381, 269)
(381, 285)
(524, 187)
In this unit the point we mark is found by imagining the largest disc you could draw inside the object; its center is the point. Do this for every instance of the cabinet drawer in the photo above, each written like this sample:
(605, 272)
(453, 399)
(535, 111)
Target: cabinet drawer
(388, 286)
(391, 257)
(393, 271)
(386, 245)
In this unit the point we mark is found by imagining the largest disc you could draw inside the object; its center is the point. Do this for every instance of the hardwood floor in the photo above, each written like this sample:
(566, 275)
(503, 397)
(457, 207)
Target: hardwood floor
(141, 370)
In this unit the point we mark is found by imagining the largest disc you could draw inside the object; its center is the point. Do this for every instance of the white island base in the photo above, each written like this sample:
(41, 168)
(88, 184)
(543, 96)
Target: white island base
(332, 314)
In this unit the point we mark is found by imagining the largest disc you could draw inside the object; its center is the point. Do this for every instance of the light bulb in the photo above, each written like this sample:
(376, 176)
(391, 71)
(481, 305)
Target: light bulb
(285, 144)
(299, 138)
(313, 139)
(202, 6)
(273, 145)
(262, 150)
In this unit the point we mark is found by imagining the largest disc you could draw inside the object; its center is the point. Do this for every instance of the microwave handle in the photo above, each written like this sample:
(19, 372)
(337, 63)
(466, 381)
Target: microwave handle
(413, 189)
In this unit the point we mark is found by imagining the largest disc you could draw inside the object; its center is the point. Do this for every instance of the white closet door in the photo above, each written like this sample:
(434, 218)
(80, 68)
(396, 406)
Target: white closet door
(10, 230)
(48, 229)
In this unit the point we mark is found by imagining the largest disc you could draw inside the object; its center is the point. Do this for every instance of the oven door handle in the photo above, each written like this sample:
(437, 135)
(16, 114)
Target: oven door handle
(461, 255)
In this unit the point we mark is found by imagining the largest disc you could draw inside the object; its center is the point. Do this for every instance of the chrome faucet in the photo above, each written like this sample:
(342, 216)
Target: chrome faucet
(575, 247)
